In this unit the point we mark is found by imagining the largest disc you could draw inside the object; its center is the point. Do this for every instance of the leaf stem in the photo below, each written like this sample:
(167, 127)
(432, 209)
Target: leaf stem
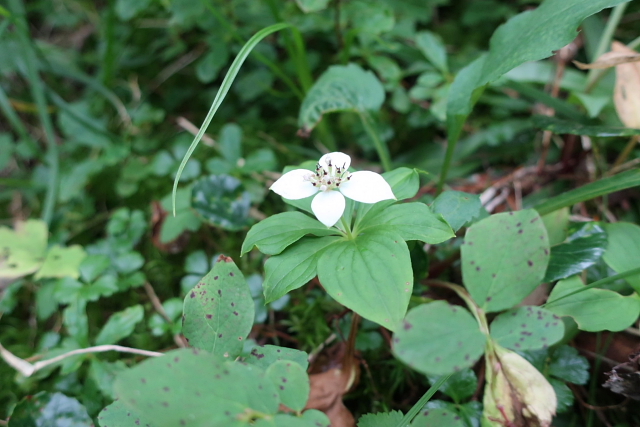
(381, 147)
(406, 420)
(596, 284)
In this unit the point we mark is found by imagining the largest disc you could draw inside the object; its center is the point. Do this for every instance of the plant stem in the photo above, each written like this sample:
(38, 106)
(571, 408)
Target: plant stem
(381, 147)
(595, 285)
(626, 151)
(37, 91)
(423, 401)
(347, 228)
(605, 42)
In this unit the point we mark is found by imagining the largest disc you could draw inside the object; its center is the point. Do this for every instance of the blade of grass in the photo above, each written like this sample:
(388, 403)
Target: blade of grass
(590, 191)
(222, 92)
(423, 401)
(38, 93)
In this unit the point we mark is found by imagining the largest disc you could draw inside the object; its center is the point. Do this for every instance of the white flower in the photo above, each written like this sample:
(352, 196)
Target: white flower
(332, 181)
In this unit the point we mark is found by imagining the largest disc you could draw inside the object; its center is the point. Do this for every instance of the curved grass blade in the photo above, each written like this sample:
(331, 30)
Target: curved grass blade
(224, 88)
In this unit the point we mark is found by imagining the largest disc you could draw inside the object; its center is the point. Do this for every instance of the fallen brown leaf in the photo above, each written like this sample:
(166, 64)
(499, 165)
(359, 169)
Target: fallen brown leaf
(327, 389)
(626, 95)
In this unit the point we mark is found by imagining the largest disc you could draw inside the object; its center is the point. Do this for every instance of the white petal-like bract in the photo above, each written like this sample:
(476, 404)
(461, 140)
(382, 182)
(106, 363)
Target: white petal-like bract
(293, 185)
(328, 207)
(367, 187)
(337, 159)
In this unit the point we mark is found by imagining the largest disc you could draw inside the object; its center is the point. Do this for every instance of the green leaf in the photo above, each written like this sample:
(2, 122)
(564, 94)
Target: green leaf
(374, 17)
(504, 258)
(218, 312)
(623, 251)
(412, 221)
(564, 395)
(437, 418)
(61, 262)
(583, 248)
(120, 325)
(371, 275)
(49, 409)
(618, 182)
(404, 182)
(439, 338)
(309, 418)
(294, 267)
(340, 88)
(221, 200)
(312, 5)
(230, 140)
(76, 321)
(119, 415)
(194, 386)
(22, 250)
(567, 364)
(104, 373)
(381, 419)
(274, 234)
(460, 386)
(594, 309)
(265, 356)
(208, 67)
(93, 266)
(292, 383)
(457, 208)
(557, 225)
(127, 9)
(561, 126)
(527, 328)
(433, 49)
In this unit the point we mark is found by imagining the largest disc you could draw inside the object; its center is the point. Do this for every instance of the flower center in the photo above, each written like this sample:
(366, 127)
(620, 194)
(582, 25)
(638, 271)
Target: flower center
(329, 177)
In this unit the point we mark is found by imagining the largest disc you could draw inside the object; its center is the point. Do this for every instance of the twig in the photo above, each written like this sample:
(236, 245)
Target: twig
(155, 301)
(193, 129)
(27, 369)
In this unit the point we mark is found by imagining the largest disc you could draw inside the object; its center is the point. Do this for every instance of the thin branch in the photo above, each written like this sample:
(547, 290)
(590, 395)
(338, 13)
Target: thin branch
(27, 369)
(157, 304)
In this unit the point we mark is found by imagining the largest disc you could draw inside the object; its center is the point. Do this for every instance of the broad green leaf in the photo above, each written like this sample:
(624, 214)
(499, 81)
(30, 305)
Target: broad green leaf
(412, 221)
(74, 318)
(561, 126)
(230, 141)
(623, 252)
(221, 200)
(92, 266)
(61, 262)
(582, 249)
(49, 409)
(22, 250)
(557, 225)
(309, 418)
(439, 338)
(404, 182)
(274, 234)
(504, 258)
(127, 9)
(457, 208)
(371, 275)
(265, 356)
(594, 309)
(527, 328)
(117, 414)
(312, 5)
(564, 395)
(294, 267)
(184, 219)
(292, 383)
(340, 88)
(190, 385)
(568, 365)
(104, 373)
(208, 67)
(120, 325)
(619, 182)
(370, 16)
(437, 418)
(218, 311)
(381, 419)
(433, 49)
(460, 386)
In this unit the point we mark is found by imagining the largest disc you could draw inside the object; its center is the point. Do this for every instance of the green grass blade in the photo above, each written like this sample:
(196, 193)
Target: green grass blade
(38, 93)
(423, 401)
(590, 191)
(224, 89)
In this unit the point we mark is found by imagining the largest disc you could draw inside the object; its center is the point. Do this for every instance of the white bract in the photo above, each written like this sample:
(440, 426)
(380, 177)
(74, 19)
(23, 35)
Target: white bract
(332, 182)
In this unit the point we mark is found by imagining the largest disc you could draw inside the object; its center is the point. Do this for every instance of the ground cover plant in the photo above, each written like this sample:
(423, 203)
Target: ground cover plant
(310, 213)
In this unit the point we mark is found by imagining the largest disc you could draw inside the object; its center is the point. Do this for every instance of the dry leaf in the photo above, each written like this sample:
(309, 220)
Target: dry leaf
(327, 389)
(608, 60)
(626, 95)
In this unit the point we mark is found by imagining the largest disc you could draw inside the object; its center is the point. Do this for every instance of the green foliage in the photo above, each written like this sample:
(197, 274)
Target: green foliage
(623, 250)
(218, 311)
(220, 199)
(457, 208)
(502, 250)
(49, 409)
(527, 328)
